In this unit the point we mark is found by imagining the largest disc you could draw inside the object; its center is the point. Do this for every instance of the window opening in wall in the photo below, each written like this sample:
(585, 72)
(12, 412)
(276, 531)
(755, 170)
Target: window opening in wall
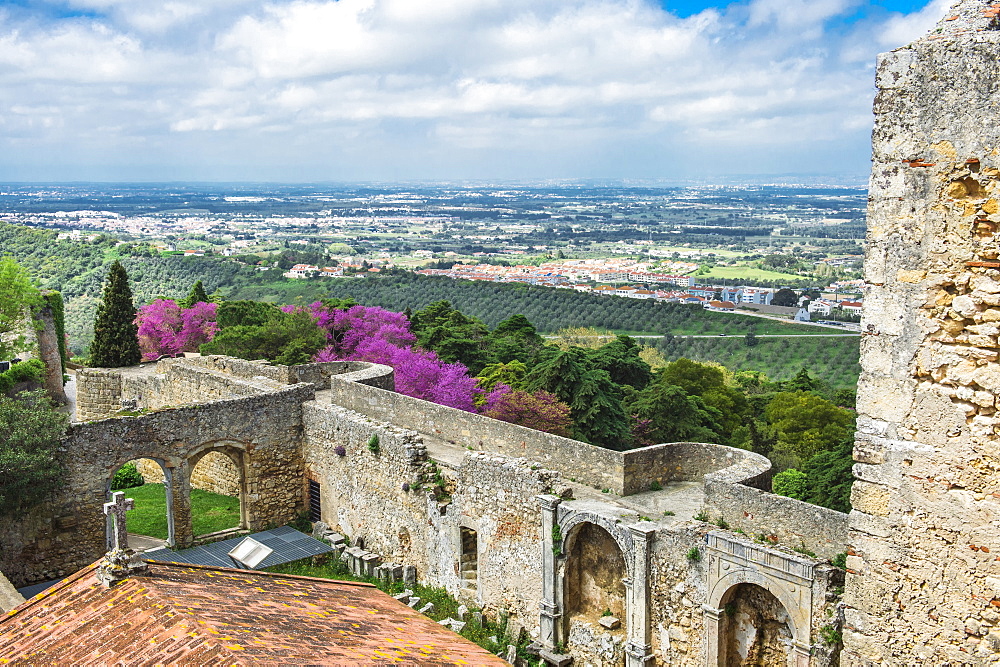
(469, 562)
(150, 523)
(315, 506)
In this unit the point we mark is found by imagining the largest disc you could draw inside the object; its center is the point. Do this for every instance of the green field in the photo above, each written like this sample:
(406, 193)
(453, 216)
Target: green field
(833, 360)
(548, 309)
(210, 512)
(748, 273)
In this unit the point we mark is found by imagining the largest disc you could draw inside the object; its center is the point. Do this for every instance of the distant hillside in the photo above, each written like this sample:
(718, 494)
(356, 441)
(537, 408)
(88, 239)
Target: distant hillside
(548, 309)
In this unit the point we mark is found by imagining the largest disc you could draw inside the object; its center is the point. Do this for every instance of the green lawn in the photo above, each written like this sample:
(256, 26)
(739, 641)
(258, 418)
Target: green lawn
(209, 511)
(749, 273)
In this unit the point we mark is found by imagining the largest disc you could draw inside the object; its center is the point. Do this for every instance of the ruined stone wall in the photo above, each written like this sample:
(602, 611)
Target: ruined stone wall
(678, 586)
(391, 500)
(924, 580)
(98, 393)
(598, 467)
(68, 532)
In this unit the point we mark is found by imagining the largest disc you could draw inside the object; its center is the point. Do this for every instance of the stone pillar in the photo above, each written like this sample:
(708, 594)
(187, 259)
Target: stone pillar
(638, 648)
(801, 652)
(178, 487)
(715, 651)
(48, 352)
(551, 611)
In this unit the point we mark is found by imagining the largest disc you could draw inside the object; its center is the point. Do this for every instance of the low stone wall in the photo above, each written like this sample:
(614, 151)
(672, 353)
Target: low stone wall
(789, 521)
(98, 393)
(691, 462)
(596, 466)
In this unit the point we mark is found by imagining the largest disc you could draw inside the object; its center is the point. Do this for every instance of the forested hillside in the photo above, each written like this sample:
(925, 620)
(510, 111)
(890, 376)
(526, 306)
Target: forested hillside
(833, 360)
(77, 269)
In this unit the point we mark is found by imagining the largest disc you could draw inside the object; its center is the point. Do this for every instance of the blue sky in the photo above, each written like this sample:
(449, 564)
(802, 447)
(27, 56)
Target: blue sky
(293, 90)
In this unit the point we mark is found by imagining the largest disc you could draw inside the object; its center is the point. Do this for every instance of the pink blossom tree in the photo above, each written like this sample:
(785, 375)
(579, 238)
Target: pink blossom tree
(166, 329)
(539, 410)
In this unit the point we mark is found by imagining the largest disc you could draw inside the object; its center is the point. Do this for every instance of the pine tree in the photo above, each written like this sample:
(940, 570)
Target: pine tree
(116, 341)
(197, 295)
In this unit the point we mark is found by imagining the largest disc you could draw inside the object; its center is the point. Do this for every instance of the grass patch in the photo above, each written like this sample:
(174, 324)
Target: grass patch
(444, 605)
(209, 511)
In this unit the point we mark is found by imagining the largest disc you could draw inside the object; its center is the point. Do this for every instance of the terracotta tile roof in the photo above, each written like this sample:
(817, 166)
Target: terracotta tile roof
(199, 615)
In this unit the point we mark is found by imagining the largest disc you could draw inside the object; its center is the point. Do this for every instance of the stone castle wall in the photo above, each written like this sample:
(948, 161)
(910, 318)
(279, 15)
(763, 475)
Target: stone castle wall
(391, 500)
(264, 432)
(923, 582)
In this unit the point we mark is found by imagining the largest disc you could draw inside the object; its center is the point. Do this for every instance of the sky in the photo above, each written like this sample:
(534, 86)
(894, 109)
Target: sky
(433, 90)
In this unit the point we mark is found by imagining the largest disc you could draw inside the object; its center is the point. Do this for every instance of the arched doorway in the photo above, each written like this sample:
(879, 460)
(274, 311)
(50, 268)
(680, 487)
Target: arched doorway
(147, 482)
(594, 594)
(755, 629)
(217, 491)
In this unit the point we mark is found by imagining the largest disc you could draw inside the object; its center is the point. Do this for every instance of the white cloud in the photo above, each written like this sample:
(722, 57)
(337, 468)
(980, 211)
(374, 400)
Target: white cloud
(391, 86)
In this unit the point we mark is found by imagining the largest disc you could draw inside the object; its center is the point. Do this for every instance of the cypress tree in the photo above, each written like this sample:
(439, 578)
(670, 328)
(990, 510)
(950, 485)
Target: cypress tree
(116, 339)
(197, 295)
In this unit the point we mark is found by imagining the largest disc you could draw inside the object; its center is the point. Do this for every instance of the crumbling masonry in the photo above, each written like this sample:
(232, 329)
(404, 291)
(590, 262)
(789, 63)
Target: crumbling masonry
(924, 578)
(593, 552)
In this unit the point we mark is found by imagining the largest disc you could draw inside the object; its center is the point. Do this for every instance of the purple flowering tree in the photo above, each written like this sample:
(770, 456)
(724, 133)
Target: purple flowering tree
(539, 410)
(166, 329)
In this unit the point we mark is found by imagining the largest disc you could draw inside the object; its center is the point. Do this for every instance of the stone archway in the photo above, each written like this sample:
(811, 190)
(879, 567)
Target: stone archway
(154, 471)
(771, 589)
(594, 594)
(218, 467)
(594, 576)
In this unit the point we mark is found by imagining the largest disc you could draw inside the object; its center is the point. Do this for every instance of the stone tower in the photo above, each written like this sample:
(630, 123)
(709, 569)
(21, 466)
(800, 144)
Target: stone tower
(924, 561)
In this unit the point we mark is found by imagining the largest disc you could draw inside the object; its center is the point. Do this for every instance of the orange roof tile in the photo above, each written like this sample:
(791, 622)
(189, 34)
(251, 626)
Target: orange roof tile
(201, 615)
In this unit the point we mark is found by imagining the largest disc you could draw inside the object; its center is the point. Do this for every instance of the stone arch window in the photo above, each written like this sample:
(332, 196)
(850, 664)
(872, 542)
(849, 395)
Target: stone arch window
(754, 629)
(217, 469)
(468, 563)
(594, 590)
(154, 473)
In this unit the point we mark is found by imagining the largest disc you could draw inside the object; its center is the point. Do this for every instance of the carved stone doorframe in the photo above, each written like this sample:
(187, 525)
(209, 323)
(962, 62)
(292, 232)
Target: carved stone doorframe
(732, 561)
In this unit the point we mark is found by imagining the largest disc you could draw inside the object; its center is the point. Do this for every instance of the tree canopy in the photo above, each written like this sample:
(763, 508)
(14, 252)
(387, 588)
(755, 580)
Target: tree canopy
(30, 431)
(17, 295)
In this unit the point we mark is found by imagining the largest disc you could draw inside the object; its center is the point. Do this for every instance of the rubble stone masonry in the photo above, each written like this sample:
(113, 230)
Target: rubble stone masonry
(923, 583)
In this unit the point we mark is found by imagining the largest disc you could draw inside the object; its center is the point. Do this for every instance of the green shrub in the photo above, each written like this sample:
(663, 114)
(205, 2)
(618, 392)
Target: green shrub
(694, 554)
(373, 444)
(127, 477)
(655, 486)
(791, 483)
(840, 560)
(25, 371)
(30, 431)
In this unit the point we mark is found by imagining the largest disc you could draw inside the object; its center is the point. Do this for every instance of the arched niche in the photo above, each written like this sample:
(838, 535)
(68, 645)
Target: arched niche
(755, 629)
(594, 574)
